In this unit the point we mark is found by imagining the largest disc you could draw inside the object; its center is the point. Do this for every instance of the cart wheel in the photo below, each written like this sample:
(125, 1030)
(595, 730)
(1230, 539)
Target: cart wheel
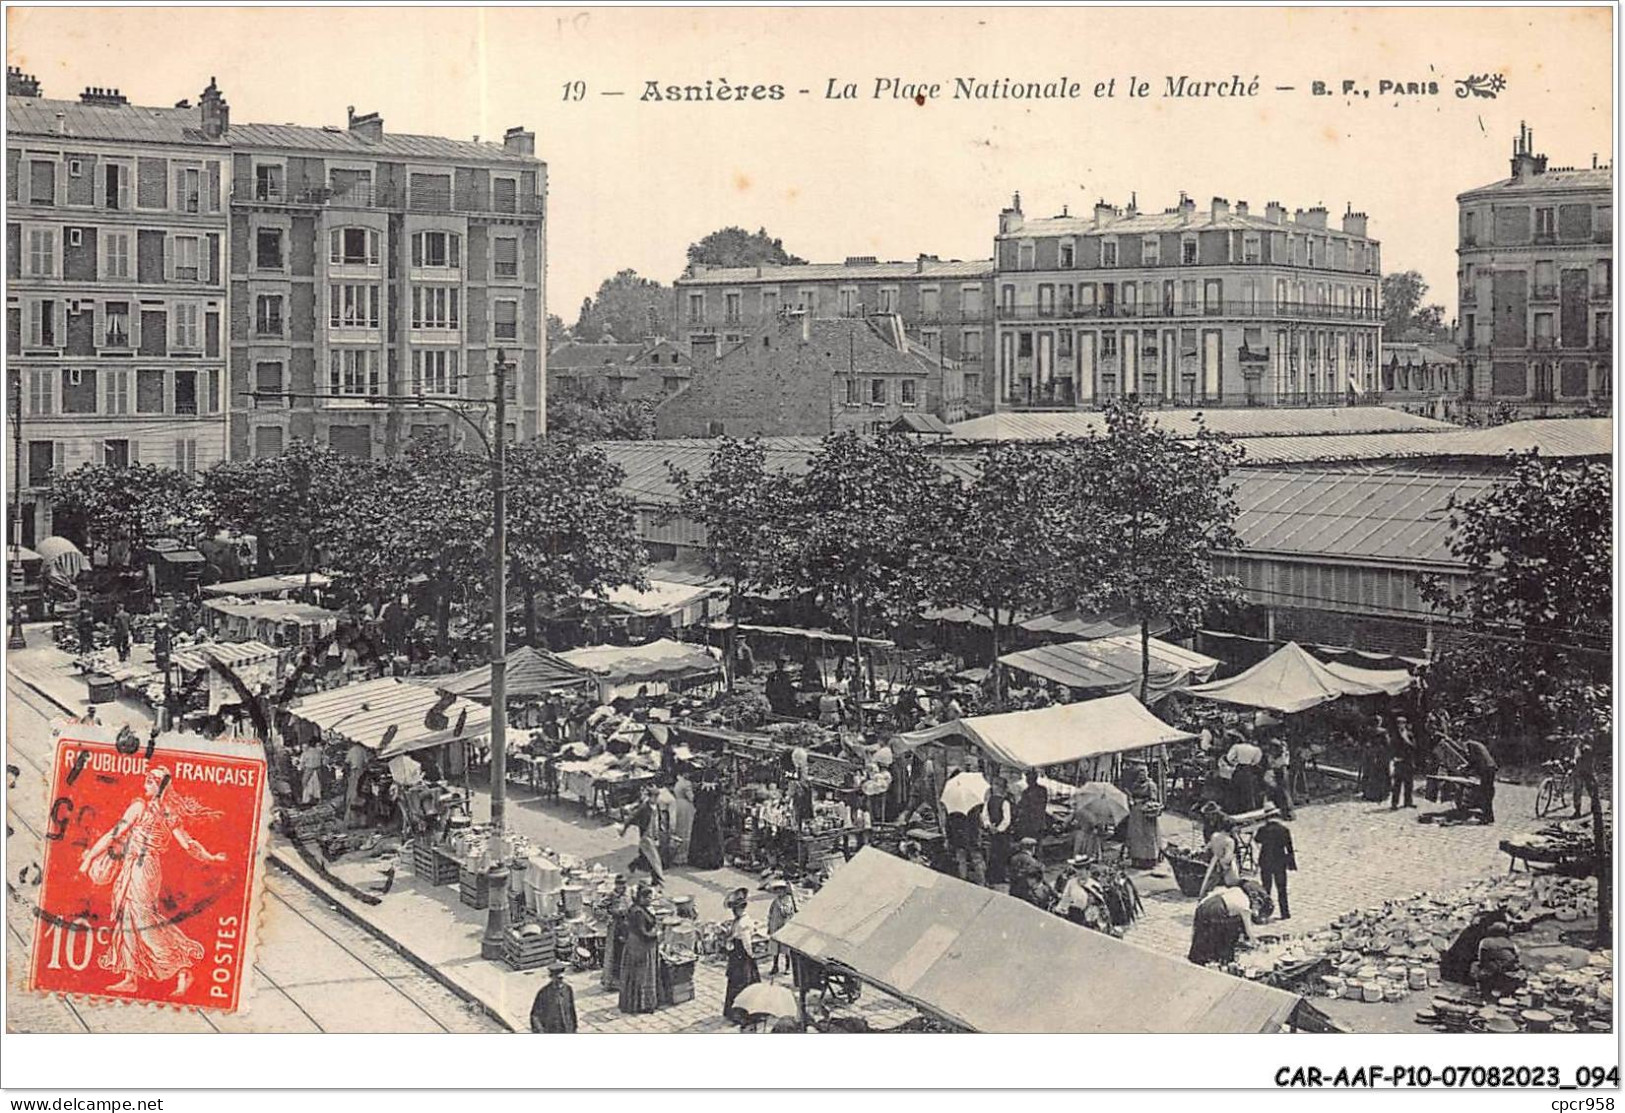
(1545, 797)
(843, 989)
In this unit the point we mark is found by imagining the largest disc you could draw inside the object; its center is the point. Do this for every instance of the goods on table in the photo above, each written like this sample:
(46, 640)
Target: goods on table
(1569, 840)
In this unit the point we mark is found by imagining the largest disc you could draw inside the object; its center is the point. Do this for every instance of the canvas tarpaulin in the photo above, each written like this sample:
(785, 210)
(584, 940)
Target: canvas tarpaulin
(390, 716)
(991, 963)
(659, 660)
(1111, 665)
(1059, 734)
(1288, 680)
(531, 672)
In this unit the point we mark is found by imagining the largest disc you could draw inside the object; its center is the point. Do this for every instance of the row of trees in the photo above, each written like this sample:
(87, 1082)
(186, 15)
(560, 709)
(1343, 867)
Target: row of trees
(876, 530)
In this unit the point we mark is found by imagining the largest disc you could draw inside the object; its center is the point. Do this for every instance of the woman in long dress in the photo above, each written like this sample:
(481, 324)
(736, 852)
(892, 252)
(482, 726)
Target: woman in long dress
(640, 987)
(646, 818)
(615, 936)
(145, 943)
(742, 968)
(705, 852)
(682, 819)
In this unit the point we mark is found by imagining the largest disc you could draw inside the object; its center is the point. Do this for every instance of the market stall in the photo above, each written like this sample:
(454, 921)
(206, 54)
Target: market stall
(198, 686)
(1290, 680)
(275, 621)
(665, 605)
(655, 668)
(1108, 666)
(920, 924)
(260, 586)
(532, 674)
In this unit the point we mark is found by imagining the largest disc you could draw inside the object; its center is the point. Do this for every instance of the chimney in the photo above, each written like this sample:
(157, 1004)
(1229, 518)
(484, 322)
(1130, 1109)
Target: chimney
(516, 141)
(1525, 163)
(1354, 223)
(861, 260)
(1011, 220)
(1187, 208)
(1241, 208)
(1298, 217)
(102, 98)
(1275, 212)
(922, 260)
(1103, 211)
(1221, 208)
(1133, 203)
(1316, 216)
(368, 127)
(20, 84)
(216, 113)
(702, 350)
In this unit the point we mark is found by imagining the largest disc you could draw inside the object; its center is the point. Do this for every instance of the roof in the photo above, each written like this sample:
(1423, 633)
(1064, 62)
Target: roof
(1414, 353)
(1059, 734)
(197, 658)
(1248, 422)
(268, 585)
(1287, 681)
(1382, 515)
(920, 423)
(280, 610)
(1560, 178)
(391, 716)
(1112, 665)
(660, 660)
(829, 272)
(141, 124)
(530, 672)
(991, 963)
(1145, 222)
(1556, 437)
(1087, 626)
(845, 342)
(575, 354)
(644, 463)
(661, 597)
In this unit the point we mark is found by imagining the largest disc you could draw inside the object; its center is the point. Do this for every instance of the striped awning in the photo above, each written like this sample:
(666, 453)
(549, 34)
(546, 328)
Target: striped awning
(390, 716)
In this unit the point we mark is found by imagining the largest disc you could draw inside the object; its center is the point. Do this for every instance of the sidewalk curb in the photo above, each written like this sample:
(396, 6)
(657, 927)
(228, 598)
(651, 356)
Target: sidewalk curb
(41, 692)
(463, 993)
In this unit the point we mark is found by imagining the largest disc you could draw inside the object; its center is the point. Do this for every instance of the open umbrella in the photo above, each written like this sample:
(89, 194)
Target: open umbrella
(1103, 804)
(766, 999)
(964, 792)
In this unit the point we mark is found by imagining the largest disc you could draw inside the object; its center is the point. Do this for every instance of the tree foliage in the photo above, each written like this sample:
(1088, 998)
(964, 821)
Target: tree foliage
(627, 306)
(734, 247)
(122, 509)
(1404, 316)
(557, 333)
(287, 501)
(599, 417)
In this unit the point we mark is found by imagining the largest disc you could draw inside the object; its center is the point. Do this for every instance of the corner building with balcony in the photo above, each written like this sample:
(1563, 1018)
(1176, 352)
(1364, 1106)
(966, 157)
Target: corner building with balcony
(1536, 287)
(1219, 307)
(116, 300)
(366, 264)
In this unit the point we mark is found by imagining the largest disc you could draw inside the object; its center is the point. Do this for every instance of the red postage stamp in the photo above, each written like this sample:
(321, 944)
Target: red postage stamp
(151, 874)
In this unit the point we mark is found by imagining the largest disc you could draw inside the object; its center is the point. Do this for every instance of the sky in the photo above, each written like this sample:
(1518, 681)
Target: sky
(633, 181)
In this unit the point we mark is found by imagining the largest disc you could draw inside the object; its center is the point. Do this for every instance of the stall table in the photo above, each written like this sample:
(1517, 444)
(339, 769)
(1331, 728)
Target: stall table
(609, 795)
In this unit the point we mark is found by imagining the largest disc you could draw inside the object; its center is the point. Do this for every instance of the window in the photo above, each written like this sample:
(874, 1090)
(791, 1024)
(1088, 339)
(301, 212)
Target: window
(434, 371)
(116, 392)
(352, 372)
(268, 182)
(76, 237)
(355, 305)
(730, 308)
(971, 301)
(1108, 253)
(877, 391)
(41, 182)
(1025, 256)
(186, 454)
(42, 324)
(505, 257)
(770, 303)
(849, 301)
(1251, 247)
(1310, 243)
(42, 252)
(268, 315)
(696, 308)
(188, 190)
(1151, 250)
(431, 191)
(1046, 300)
(854, 392)
(1545, 225)
(116, 186)
(1007, 298)
(435, 307)
(504, 195)
(116, 453)
(115, 254)
(1063, 344)
(505, 319)
(41, 391)
(808, 296)
(41, 462)
(1108, 345)
(268, 249)
(76, 169)
(888, 299)
(268, 385)
(970, 344)
(149, 391)
(435, 249)
(79, 390)
(186, 259)
(186, 392)
(1024, 345)
(910, 392)
(354, 186)
(353, 247)
(188, 326)
(1069, 253)
(1187, 250)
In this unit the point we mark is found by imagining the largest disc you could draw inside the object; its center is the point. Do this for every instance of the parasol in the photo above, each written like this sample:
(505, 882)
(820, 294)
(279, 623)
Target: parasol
(1101, 803)
(964, 792)
(63, 560)
(765, 999)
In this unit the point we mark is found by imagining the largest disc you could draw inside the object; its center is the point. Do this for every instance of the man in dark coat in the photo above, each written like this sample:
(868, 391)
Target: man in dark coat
(1275, 857)
(1405, 755)
(1483, 766)
(554, 1009)
(1026, 872)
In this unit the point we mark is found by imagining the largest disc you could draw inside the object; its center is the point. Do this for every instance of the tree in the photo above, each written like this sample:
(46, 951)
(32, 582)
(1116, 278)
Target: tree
(600, 418)
(1404, 317)
(1167, 509)
(860, 535)
(1536, 601)
(629, 306)
(571, 530)
(122, 509)
(289, 502)
(1002, 551)
(556, 332)
(734, 247)
(742, 507)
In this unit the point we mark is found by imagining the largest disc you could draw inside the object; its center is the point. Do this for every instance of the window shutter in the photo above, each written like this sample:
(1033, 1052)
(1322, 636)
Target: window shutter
(214, 258)
(135, 450)
(453, 244)
(180, 188)
(214, 186)
(61, 338)
(417, 249)
(59, 456)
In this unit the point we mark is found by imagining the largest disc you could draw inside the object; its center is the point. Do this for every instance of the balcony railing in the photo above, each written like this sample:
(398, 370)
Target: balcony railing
(369, 197)
(1194, 398)
(1246, 309)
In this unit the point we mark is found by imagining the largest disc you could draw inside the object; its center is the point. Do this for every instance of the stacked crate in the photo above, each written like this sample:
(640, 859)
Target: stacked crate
(529, 952)
(431, 865)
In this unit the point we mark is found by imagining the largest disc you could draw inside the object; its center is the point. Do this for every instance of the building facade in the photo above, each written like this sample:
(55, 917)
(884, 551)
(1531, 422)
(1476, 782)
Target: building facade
(797, 375)
(1219, 307)
(116, 305)
(946, 307)
(1422, 376)
(651, 370)
(1536, 287)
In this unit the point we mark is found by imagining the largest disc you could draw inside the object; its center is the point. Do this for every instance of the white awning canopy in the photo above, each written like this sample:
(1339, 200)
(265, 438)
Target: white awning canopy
(1060, 734)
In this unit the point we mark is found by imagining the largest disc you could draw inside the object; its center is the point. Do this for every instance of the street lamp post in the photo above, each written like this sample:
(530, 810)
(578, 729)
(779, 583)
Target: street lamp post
(15, 638)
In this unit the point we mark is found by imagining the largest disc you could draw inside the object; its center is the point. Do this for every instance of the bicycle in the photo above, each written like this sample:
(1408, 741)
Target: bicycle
(1555, 787)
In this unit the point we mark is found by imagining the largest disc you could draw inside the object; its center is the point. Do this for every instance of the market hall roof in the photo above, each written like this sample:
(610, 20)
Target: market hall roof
(853, 270)
(988, 962)
(1247, 422)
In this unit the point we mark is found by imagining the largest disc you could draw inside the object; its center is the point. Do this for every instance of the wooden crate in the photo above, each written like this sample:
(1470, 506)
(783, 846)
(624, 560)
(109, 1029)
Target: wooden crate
(523, 952)
(432, 865)
(473, 888)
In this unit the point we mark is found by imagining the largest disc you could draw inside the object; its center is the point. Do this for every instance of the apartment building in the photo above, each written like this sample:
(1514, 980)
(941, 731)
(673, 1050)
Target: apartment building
(115, 309)
(1536, 287)
(1222, 306)
(945, 306)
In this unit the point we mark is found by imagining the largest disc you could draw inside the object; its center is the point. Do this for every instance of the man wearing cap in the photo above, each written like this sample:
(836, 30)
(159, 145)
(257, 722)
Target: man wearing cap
(1404, 750)
(554, 1009)
(997, 814)
(1026, 872)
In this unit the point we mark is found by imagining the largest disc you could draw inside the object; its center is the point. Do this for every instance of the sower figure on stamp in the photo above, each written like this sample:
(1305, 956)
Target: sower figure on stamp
(145, 943)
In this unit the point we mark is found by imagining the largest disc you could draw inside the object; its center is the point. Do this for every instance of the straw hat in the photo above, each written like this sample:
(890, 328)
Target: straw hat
(739, 898)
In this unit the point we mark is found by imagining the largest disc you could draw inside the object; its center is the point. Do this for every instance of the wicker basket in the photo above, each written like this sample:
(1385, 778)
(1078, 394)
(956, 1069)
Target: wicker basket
(1189, 870)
